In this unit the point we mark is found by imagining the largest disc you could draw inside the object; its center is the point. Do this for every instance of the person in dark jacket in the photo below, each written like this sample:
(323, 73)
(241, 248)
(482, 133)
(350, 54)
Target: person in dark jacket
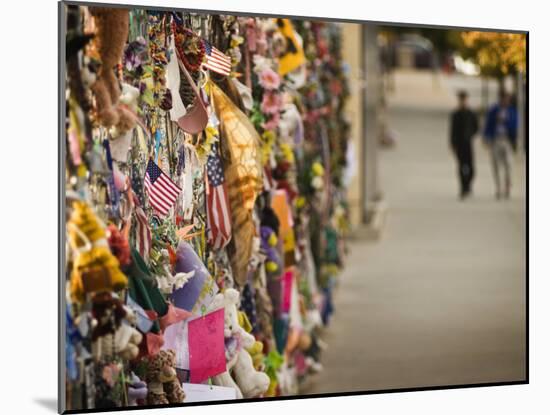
(464, 126)
(500, 134)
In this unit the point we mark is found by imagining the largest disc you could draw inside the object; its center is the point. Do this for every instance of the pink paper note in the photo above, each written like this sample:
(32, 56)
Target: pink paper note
(206, 346)
(287, 290)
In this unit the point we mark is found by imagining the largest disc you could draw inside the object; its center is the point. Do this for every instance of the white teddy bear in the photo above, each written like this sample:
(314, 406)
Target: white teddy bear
(121, 140)
(247, 381)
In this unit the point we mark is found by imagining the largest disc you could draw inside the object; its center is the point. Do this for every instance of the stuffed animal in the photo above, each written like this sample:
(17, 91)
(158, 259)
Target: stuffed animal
(155, 389)
(256, 352)
(112, 331)
(137, 390)
(162, 381)
(119, 245)
(287, 379)
(247, 381)
(172, 386)
(129, 100)
(111, 36)
(127, 337)
(95, 268)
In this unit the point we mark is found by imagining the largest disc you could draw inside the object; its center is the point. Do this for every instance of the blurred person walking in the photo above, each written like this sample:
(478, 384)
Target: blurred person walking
(464, 126)
(500, 135)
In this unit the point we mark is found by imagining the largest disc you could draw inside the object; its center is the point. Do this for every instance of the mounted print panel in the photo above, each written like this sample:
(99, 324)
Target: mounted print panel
(268, 207)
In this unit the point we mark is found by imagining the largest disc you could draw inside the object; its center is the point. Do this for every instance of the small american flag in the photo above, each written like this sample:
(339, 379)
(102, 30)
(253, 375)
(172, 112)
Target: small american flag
(143, 231)
(161, 190)
(215, 60)
(217, 205)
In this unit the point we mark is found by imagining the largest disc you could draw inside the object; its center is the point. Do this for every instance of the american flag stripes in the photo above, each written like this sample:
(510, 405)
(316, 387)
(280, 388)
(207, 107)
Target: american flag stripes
(215, 60)
(217, 205)
(143, 231)
(161, 190)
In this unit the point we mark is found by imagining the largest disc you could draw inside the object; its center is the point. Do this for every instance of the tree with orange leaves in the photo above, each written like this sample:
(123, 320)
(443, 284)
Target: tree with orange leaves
(497, 54)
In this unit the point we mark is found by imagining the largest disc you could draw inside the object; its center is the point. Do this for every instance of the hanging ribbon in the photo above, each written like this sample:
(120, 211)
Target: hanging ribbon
(114, 195)
(158, 136)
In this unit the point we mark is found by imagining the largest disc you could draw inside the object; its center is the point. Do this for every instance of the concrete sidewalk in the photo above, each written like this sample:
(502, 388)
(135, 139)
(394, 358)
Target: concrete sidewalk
(440, 300)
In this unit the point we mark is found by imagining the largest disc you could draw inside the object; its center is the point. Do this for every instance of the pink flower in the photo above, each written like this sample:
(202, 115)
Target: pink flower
(269, 79)
(271, 103)
(107, 375)
(273, 123)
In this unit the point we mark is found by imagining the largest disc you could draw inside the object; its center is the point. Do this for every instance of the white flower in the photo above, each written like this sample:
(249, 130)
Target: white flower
(317, 182)
(165, 286)
(261, 63)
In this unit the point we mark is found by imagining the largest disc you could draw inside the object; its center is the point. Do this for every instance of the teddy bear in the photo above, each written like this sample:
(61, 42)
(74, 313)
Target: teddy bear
(127, 337)
(122, 133)
(246, 380)
(113, 331)
(111, 36)
(162, 381)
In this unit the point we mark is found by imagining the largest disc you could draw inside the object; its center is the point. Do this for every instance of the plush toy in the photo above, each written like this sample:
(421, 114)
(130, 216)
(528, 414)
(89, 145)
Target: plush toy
(287, 379)
(162, 381)
(273, 362)
(155, 390)
(111, 35)
(112, 331)
(122, 133)
(118, 244)
(95, 268)
(256, 352)
(291, 127)
(172, 386)
(127, 337)
(137, 390)
(247, 381)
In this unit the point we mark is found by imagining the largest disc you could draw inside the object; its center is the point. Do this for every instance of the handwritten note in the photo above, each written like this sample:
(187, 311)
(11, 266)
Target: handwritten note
(206, 295)
(206, 346)
(176, 338)
(197, 392)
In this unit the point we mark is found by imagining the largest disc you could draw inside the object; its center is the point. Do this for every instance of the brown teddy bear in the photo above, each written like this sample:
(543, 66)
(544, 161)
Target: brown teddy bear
(110, 39)
(110, 335)
(162, 382)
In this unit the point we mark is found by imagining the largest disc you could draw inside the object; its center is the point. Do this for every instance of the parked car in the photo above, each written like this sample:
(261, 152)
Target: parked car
(414, 51)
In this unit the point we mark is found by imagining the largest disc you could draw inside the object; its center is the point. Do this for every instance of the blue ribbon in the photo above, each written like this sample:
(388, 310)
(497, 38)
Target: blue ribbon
(158, 137)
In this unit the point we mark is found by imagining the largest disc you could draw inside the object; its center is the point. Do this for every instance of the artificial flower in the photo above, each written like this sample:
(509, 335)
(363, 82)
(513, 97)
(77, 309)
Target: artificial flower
(236, 40)
(260, 63)
(135, 56)
(287, 151)
(317, 183)
(273, 122)
(317, 169)
(271, 103)
(300, 202)
(269, 79)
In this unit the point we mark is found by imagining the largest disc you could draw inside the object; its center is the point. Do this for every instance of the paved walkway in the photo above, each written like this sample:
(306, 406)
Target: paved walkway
(440, 299)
